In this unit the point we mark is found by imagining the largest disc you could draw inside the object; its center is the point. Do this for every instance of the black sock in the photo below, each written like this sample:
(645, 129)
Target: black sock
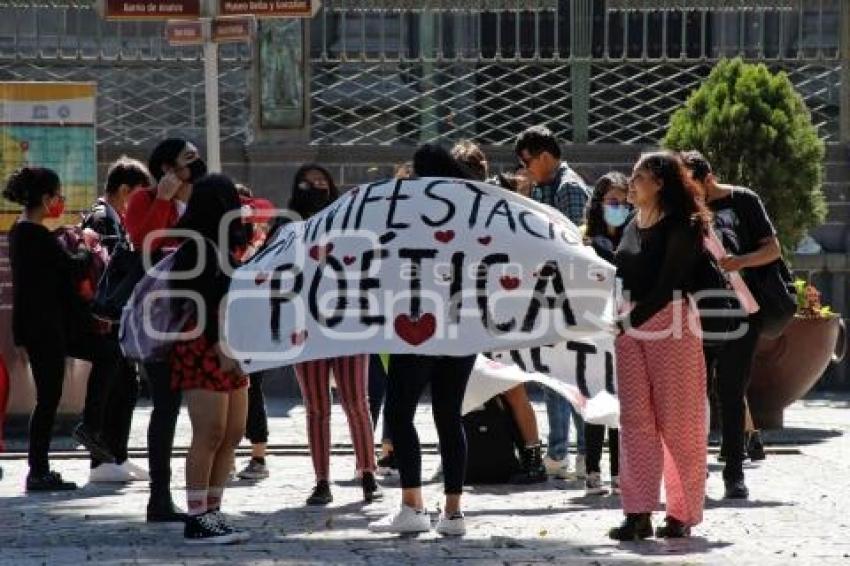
(259, 459)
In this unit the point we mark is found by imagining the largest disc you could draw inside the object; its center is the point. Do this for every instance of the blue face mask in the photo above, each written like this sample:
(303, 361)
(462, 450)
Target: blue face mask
(616, 214)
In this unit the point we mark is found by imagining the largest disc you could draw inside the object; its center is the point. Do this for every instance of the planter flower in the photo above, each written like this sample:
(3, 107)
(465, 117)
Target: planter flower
(786, 368)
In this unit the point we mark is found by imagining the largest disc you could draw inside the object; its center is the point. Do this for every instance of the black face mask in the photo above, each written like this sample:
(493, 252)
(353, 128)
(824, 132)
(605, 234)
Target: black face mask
(313, 199)
(197, 169)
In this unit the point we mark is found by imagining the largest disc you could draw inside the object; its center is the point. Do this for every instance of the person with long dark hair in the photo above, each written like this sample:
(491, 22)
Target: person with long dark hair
(313, 190)
(216, 390)
(660, 367)
(45, 308)
(607, 214)
(409, 374)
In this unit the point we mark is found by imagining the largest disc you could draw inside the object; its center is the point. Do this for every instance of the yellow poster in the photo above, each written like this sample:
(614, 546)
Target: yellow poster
(50, 125)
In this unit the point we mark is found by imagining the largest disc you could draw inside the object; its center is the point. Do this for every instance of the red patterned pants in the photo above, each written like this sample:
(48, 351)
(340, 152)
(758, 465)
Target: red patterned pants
(662, 415)
(351, 374)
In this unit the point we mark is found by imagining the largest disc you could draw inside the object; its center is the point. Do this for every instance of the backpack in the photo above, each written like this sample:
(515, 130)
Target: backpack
(72, 239)
(491, 439)
(154, 319)
(123, 272)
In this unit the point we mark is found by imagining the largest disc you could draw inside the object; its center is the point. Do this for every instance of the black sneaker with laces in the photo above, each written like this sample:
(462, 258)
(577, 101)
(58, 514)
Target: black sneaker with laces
(321, 494)
(48, 481)
(371, 491)
(636, 526)
(208, 529)
(92, 442)
(673, 528)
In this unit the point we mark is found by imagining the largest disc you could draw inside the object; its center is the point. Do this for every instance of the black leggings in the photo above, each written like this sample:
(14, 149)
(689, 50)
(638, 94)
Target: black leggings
(166, 409)
(47, 360)
(111, 395)
(594, 438)
(377, 393)
(448, 376)
(257, 426)
(728, 369)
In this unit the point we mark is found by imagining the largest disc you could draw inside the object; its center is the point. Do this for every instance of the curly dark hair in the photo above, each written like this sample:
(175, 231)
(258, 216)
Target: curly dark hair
(678, 199)
(28, 185)
(594, 215)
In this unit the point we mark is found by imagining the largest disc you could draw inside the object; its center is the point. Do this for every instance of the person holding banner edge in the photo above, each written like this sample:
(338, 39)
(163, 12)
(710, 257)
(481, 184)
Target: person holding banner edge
(313, 190)
(660, 367)
(557, 185)
(448, 377)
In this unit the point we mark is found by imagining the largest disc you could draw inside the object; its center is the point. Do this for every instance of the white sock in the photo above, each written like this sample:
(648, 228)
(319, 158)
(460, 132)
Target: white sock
(196, 502)
(214, 495)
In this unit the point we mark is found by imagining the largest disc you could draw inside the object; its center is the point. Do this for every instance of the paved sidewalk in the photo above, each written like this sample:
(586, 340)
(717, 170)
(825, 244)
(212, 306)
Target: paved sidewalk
(799, 512)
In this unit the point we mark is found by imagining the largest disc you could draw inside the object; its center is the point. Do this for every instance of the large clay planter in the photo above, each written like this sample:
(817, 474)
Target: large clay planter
(786, 368)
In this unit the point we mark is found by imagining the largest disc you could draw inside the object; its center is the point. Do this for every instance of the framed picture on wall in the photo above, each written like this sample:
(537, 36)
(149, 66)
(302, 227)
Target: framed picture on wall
(282, 74)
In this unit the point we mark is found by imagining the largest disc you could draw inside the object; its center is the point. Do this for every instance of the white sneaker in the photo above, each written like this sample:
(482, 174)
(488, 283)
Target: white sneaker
(110, 473)
(615, 485)
(581, 467)
(138, 473)
(454, 526)
(593, 484)
(407, 520)
(558, 468)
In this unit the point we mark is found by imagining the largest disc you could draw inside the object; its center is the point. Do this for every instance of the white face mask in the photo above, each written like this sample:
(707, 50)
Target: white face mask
(181, 207)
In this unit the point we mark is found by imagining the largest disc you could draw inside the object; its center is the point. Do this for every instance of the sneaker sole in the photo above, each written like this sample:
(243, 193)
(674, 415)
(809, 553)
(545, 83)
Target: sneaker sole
(392, 531)
(252, 476)
(232, 538)
(594, 492)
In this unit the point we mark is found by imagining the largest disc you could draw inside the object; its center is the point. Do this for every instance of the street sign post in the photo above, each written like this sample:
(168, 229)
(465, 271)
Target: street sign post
(195, 22)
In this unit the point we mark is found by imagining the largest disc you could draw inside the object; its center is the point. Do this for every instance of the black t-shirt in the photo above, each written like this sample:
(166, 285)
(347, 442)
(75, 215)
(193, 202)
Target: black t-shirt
(654, 263)
(742, 220)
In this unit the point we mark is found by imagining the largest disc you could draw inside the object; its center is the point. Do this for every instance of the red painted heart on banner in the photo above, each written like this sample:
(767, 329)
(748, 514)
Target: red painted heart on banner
(444, 236)
(298, 338)
(349, 259)
(415, 332)
(319, 253)
(485, 241)
(261, 278)
(509, 283)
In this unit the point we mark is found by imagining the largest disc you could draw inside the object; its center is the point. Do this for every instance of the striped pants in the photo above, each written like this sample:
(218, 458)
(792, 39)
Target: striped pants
(350, 374)
(662, 415)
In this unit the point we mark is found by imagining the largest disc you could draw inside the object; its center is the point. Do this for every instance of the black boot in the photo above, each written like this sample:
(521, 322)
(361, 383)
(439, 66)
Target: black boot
(321, 494)
(371, 491)
(736, 489)
(161, 509)
(532, 469)
(755, 446)
(636, 526)
(48, 481)
(673, 528)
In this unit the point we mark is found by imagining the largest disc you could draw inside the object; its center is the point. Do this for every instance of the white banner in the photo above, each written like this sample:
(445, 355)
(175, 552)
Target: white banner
(582, 371)
(425, 266)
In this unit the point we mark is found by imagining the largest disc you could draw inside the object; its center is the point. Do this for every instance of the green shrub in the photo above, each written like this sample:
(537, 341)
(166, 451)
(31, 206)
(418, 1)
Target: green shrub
(756, 131)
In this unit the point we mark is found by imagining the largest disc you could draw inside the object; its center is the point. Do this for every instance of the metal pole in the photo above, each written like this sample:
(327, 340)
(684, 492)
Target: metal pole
(211, 92)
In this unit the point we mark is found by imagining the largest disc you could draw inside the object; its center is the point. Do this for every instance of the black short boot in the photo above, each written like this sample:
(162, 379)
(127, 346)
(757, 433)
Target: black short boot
(636, 526)
(532, 469)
